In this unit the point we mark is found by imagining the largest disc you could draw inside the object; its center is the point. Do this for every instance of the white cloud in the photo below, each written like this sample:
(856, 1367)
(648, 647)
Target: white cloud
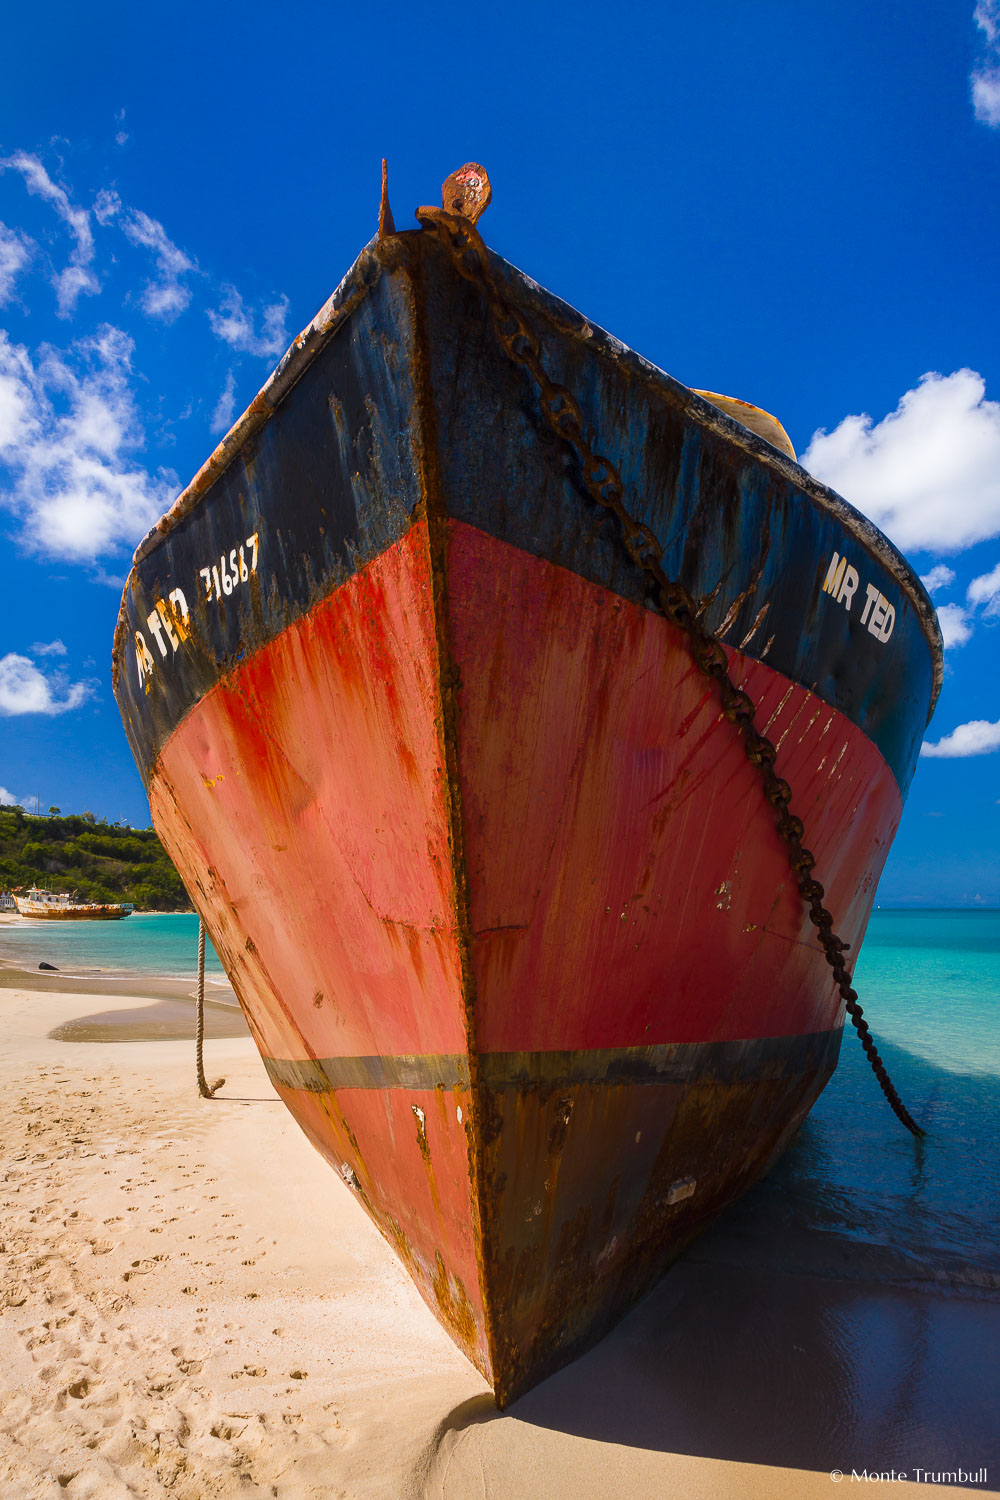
(52, 648)
(985, 591)
(67, 428)
(29, 802)
(17, 421)
(956, 627)
(222, 416)
(71, 284)
(9, 799)
(929, 473)
(987, 18)
(975, 738)
(38, 182)
(939, 577)
(986, 95)
(986, 77)
(107, 206)
(15, 252)
(26, 690)
(166, 297)
(77, 278)
(234, 324)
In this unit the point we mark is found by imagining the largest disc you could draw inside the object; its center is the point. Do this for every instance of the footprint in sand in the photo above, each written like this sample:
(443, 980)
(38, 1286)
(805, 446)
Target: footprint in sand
(227, 1431)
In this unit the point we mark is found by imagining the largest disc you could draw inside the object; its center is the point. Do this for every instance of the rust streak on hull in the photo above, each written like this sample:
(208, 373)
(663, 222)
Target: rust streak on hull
(495, 884)
(600, 821)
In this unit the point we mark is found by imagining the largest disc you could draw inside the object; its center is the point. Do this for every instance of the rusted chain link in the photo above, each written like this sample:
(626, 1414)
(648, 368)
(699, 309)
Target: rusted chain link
(562, 415)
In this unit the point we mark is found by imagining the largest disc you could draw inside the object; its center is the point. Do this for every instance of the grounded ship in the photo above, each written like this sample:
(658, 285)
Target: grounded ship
(56, 906)
(469, 815)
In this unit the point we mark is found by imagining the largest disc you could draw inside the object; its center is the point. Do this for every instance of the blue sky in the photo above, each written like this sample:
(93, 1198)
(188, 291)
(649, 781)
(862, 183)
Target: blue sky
(793, 204)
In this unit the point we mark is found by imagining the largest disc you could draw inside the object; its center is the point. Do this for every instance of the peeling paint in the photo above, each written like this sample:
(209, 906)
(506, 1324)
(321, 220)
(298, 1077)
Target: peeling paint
(459, 810)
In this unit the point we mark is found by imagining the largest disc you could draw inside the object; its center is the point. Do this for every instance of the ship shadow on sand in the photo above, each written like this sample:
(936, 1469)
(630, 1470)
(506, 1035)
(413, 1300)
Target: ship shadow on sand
(844, 1315)
(162, 1020)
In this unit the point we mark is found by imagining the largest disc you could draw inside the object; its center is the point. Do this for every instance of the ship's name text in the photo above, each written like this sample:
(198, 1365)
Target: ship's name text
(168, 623)
(843, 582)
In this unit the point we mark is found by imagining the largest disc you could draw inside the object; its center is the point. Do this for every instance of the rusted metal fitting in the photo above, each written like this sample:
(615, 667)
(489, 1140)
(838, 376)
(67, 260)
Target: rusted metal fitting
(466, 193)
(386, 223)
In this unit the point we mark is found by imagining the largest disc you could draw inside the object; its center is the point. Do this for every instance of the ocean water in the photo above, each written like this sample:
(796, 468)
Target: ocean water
(855, 1195)
(165, 944)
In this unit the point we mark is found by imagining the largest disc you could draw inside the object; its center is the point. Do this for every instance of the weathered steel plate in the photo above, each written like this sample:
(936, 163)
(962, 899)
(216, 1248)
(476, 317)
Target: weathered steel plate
(490, 873)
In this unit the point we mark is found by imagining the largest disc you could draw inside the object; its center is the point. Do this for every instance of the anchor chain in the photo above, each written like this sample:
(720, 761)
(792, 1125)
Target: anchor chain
(562, 415)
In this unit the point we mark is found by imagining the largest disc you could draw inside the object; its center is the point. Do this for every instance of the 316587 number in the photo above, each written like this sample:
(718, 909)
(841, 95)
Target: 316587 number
(223, 577)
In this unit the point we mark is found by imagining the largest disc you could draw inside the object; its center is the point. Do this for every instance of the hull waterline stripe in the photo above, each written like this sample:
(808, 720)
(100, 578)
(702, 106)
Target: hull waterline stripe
(431, 1070)
(753, 1060)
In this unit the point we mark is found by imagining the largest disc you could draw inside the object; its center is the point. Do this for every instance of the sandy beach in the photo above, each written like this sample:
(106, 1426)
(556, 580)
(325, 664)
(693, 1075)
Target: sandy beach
(193, 1305)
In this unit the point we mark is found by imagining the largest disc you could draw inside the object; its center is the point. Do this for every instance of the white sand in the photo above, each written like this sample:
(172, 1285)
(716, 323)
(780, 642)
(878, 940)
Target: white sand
(193, 1305)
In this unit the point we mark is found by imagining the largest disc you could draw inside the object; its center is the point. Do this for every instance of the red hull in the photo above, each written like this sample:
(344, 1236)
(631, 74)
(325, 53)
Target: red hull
(511, 923)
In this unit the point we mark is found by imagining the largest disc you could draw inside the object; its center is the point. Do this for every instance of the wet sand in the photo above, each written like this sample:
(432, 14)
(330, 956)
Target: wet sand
(194, 1305)
(171, 1016)
(166, 1020)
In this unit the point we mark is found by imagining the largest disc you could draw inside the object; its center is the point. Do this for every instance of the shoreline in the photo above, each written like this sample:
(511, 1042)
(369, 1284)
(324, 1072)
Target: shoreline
(14, 976)
(138, 1007)
(102, 979)
(195, 1304)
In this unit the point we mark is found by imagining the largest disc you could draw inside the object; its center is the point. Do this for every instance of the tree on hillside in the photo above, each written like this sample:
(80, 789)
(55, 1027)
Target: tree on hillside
(99, 861)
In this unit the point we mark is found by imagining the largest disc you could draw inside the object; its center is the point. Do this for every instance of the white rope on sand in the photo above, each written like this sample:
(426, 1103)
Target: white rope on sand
(199, 1037)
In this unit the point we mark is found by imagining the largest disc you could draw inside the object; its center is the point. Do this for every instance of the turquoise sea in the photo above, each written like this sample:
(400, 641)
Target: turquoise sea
(929, 982)
(856, 1195)
(165, 944)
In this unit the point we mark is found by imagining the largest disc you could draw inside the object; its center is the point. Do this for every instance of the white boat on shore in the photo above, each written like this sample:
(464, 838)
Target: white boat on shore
(61, 907)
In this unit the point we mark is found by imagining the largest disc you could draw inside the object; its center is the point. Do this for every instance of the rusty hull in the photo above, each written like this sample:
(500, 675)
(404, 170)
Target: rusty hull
(490, 874)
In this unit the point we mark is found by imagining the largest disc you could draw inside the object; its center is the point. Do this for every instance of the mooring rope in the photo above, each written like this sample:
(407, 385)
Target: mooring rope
(204, 1090)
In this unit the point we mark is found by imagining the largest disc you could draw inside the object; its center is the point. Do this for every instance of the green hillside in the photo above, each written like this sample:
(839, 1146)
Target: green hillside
(99, 861)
